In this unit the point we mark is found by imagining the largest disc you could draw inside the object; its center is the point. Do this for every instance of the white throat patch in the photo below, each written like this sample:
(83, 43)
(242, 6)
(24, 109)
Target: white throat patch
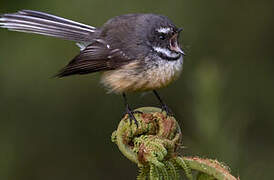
(164, 30)
(166, 52)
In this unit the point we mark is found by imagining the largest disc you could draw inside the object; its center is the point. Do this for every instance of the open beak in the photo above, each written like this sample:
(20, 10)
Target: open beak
(174, 45)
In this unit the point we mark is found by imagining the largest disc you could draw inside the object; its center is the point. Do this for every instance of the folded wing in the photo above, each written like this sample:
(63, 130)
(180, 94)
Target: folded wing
(98, 56)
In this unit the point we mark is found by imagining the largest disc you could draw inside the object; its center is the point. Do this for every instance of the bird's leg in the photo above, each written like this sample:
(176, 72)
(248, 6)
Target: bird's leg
(164, 107)
(129, 111)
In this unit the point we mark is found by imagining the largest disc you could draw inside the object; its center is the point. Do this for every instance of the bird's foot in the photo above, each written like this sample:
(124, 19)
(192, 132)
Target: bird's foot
(131, 115)
(168, 111)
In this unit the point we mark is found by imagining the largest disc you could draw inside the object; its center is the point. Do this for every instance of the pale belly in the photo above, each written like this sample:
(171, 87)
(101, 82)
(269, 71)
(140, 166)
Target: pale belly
(126, 79)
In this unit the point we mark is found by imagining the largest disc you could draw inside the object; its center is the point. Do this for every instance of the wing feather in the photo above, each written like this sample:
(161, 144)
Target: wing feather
(95, 57)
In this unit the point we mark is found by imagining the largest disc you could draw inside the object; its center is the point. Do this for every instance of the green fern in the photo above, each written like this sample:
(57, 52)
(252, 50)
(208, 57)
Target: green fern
(153, 145)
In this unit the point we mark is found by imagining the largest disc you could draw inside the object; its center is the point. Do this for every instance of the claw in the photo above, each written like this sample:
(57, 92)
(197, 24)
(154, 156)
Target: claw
(168, 111)
(131, 115)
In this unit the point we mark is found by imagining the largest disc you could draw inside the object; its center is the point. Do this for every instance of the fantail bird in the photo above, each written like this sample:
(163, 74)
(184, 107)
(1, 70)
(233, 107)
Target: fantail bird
(135, 52)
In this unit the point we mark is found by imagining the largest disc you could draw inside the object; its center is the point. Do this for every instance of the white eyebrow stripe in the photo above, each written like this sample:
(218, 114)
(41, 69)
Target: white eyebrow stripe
(166, 52)
(164, 30)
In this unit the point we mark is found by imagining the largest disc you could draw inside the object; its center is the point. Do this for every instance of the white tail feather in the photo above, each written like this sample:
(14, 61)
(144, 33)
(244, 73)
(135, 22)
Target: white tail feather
(56, 17)
(42, 23)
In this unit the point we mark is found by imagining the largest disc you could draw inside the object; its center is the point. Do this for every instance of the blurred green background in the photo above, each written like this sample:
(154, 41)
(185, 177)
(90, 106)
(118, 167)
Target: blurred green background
(60, 128)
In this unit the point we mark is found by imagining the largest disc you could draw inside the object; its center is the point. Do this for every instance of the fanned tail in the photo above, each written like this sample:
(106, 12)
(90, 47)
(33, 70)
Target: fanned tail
(30, 21)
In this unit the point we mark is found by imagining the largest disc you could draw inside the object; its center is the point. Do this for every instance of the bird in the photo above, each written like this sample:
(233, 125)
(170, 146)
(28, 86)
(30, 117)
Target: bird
(135, 52)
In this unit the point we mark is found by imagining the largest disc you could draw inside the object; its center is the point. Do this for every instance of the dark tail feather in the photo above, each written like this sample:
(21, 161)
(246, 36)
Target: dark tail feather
(42, 23)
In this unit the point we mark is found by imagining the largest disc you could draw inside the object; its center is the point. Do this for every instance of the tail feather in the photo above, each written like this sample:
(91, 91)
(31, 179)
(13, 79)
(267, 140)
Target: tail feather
(42, 23)
(55, 18)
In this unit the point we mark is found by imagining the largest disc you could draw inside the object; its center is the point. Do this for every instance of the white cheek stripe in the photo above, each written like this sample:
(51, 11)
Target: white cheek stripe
(164, 30)
(166, 52)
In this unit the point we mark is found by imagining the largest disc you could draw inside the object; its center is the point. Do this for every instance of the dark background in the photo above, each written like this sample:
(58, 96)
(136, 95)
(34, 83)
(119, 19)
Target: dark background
(60, 128)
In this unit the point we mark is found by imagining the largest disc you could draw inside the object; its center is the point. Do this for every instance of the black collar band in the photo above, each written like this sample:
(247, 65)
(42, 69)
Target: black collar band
(168, 58)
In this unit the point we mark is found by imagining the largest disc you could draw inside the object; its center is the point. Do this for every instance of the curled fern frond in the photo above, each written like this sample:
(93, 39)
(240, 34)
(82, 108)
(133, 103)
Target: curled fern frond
(153, 145)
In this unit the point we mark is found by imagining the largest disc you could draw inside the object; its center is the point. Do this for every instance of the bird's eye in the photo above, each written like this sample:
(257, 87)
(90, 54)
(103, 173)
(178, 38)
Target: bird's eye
(162, 36)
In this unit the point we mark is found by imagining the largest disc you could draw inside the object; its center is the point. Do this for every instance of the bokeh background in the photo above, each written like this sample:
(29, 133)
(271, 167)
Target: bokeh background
(60, 128)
